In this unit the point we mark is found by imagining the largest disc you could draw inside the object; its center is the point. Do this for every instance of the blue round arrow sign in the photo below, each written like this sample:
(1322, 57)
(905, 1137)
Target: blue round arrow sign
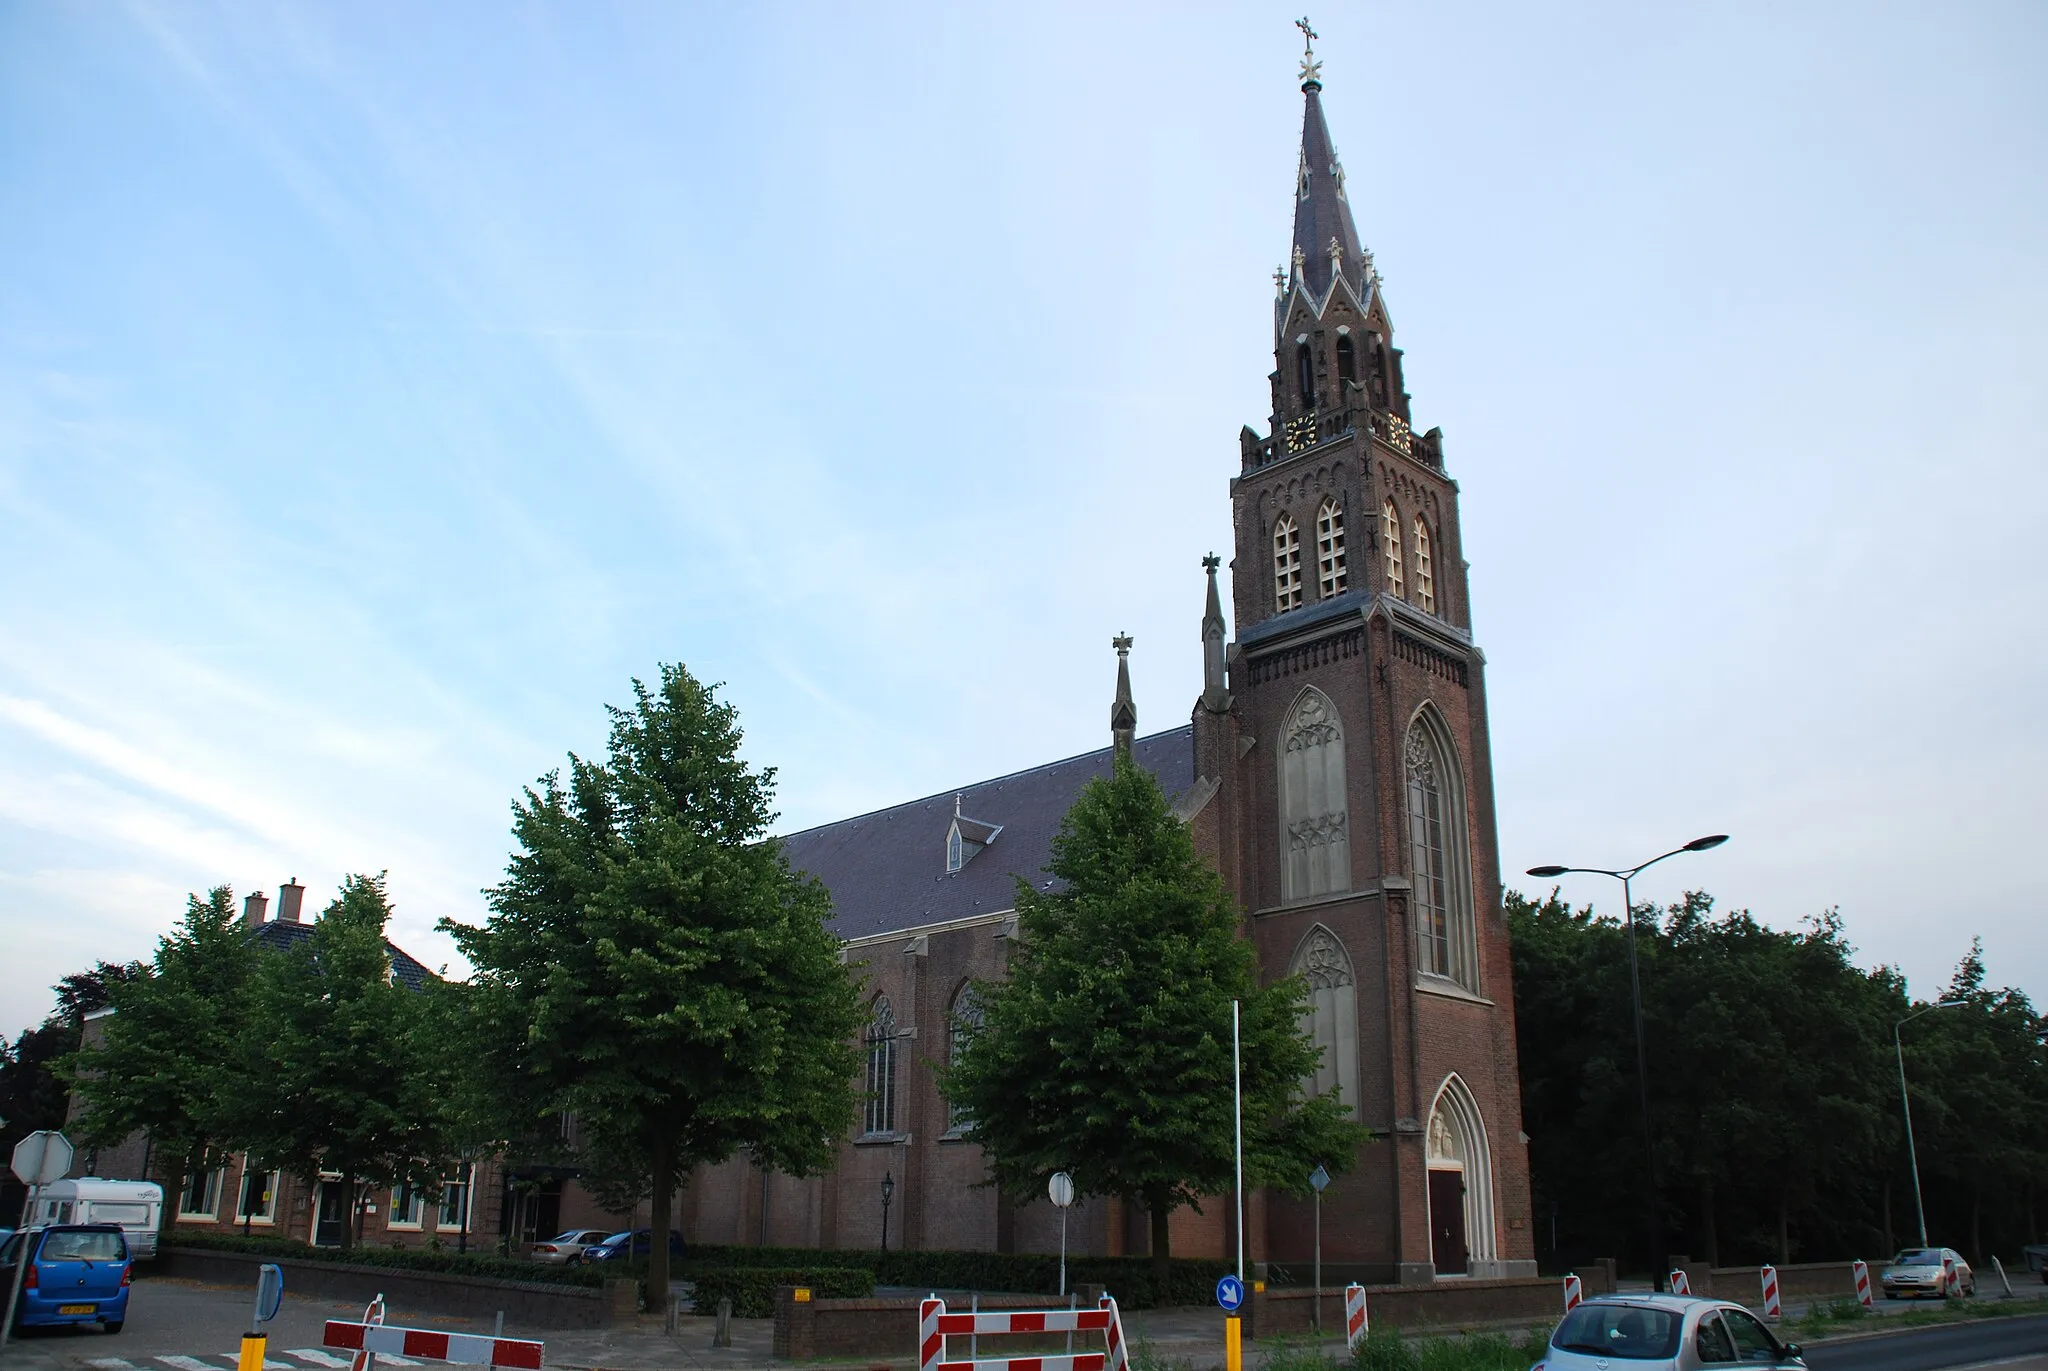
(1230, 1293)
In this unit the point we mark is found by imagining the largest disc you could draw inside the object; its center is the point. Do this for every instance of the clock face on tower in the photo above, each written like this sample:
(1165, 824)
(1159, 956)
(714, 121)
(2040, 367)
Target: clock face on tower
(1301, 433)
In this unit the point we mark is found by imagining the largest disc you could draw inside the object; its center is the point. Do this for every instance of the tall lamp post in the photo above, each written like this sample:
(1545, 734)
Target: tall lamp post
(888, 1189)
(1906, 1104)
(1653, 1226)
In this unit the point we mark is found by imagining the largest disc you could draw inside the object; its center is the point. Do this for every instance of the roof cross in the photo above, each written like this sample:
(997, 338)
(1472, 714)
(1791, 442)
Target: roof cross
(1311, 70)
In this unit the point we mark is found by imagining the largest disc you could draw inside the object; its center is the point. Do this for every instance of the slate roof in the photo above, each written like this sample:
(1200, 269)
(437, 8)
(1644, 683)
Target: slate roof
(1326, 212)
(887, 870)
(279, 934)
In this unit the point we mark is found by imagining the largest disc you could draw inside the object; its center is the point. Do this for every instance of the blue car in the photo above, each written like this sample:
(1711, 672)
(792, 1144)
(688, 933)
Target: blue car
(638, 1243)
(77, 1274)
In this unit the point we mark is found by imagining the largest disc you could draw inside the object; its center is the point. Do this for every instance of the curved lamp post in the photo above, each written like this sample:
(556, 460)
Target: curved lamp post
(1913, 1157)
(1653, 1226)
(888, 1190)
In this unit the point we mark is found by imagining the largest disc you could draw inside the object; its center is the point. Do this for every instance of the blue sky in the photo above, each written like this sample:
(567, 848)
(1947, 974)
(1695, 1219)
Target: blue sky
(382, 386)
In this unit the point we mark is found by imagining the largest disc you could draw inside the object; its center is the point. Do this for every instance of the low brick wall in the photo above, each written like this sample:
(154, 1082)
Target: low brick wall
(1448, 1303)
(1803, 1281)
(527, 1304)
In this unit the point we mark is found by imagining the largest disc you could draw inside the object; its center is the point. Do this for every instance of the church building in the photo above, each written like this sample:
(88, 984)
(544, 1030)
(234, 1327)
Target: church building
(1335, 768)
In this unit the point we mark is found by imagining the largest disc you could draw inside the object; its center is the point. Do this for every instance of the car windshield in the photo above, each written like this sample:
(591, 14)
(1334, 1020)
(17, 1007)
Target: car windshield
(82, 1245)
(1918, 1256)
(1618, 1330)
(617, 1237)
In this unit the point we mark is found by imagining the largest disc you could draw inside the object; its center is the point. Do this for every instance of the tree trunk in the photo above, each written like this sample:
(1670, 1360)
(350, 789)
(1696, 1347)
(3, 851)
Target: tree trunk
(1784, 1225)
(1890, 1239)
(351, 1215)
(1162, 1253)
(1709, 1234)
(174, 1196)
(664, 1195)
(1976, 1227)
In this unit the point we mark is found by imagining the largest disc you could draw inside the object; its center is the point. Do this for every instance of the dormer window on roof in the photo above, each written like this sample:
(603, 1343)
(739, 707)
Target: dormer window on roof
(966, 838)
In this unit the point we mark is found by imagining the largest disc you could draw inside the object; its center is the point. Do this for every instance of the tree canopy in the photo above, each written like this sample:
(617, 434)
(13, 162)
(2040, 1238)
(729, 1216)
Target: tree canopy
(1106, 1050)
(653, 966)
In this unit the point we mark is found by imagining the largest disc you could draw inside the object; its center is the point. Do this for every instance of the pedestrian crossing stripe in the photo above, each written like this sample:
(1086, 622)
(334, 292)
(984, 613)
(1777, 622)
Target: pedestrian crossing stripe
(318, 1357)
(307, 1356)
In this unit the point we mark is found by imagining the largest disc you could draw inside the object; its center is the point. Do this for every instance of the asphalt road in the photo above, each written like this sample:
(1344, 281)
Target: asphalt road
(1981, 1341)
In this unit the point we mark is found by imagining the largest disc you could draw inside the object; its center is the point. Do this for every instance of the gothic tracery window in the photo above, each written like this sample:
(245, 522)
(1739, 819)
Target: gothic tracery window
(1330, 1017)
(1390, 535)
(1313, 808)
(1438, 863)
(1425, 579)
(1330, 561)
(965, 1018)
(1286, 565)
(1305, 375)
(879, 1115)
(1347, 359)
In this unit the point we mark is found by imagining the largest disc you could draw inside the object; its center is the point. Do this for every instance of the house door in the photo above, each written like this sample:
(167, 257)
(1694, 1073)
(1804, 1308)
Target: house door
(333, 1215)
(1447, 1222)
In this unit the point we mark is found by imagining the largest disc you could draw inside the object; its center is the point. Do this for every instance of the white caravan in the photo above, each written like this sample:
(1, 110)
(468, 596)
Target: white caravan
(137, 1206)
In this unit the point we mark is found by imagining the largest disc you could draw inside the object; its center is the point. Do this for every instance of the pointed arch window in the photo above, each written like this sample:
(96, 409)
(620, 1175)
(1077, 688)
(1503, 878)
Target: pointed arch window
(1438, 862)
(1305, 375)
(1390, 535)
(879, 1115)
(1347, 359)
(1315, 833)
(964, 1018)
(1286, 565)
(1425, 578)
(1332, 571)
(1330, 1017)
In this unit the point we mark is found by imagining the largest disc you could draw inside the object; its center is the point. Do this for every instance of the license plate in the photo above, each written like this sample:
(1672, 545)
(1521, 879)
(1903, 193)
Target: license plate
(76, 1308)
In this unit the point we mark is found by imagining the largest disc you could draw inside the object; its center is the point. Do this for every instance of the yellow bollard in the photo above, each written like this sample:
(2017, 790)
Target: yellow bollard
(1233, 1346)
(252, 1352)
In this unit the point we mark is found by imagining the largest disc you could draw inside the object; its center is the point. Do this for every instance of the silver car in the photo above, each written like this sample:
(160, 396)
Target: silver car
(1663, 1333)
(1918, 1271)
(567, 1248)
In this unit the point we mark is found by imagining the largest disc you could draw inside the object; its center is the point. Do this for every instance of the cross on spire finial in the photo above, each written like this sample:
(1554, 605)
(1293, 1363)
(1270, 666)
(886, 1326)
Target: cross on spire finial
(1311, 70)
(1122, 644)
(1211, 562)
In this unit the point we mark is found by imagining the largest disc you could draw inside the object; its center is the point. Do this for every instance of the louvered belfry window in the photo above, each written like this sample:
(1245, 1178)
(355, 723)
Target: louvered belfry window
(1425, 580)
(1286, 565)
(1390, 534)
(1330, 560)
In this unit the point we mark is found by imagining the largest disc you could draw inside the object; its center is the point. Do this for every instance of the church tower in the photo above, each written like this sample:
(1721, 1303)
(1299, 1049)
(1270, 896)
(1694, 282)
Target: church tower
(1343, 776)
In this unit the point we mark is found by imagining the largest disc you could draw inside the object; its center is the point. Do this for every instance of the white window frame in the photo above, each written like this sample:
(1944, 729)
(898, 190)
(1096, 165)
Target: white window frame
(1425, 577)
(1333, 571)
(213, 1183)
(1390, 535)
(455, 1197)
(1287, 593)
(412, 1215)
(273, 1182)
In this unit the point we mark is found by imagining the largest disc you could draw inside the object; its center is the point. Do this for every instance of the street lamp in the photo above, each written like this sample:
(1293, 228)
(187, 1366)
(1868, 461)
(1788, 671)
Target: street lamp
(1653, 1225)
(1912, 1157)
(888, 1189)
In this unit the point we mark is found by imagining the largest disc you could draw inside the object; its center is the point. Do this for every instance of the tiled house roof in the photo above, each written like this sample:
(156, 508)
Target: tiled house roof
(887, 870)
(279, 934)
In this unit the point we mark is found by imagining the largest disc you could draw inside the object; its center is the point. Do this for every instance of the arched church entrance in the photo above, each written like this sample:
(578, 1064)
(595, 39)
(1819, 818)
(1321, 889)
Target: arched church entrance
(1461, 1240)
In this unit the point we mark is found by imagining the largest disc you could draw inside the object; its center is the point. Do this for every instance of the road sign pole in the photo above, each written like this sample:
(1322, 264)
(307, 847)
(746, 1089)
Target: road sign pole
(28, 1211)
(1237, 1109)
(1319, 1264)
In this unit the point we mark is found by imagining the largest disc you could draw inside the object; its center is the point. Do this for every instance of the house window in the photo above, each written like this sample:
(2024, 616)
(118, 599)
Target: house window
(1347, 360)
(881, 1039)
(1390, 534)
(201, 1199)
(1315, 832)
(1305, 375)
(454, 1205)
(258, 1202)
(407, 1206)
(1425, 581)
(965, 1018)
(1438, 864)
(1330, 562)
(1286, 565)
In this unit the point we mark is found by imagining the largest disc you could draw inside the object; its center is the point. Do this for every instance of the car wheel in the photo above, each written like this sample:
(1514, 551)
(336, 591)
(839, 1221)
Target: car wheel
(114, 1325)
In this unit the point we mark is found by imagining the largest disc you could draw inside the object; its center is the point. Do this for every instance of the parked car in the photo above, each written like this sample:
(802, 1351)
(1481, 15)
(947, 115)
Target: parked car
(566, 1248)
(1918, 1271)
(1663, 1333)
(638, 1243)
(76, 1274)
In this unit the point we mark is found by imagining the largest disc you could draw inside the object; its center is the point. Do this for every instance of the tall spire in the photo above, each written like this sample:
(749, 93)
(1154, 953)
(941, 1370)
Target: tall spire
(1325, 238)
(1123, 714)
(1215, 698)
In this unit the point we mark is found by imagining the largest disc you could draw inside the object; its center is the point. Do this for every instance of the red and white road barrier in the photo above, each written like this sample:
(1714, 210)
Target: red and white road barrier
(1948, 1273)
(464, 1349)
(1863, 1285)
(935, 1325)
(372, 1313)
(1770, 1277)
(1679, 1284)
(1354, 1316)
(1574, 1293)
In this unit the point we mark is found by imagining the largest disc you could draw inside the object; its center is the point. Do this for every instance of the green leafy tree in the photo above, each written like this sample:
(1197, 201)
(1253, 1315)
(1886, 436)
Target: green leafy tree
(1105, 1052)
(653, 966)
(166, 1063)
(343, 1069)
(33, 1090)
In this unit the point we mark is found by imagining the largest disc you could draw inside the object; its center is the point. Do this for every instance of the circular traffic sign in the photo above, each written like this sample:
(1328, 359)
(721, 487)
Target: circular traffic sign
(1060, 1189)
(1230, 1293)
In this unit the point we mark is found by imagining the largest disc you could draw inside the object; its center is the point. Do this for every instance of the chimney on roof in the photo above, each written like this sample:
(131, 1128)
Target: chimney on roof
(289, 897)
(254, 908)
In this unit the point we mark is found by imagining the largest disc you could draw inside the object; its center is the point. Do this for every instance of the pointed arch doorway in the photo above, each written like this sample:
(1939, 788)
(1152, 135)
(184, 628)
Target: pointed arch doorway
(1461, 1238)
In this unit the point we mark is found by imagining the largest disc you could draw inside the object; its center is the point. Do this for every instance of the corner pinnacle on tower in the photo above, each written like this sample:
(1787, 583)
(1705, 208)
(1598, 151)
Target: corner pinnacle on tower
(1215, 697)
(1123, 713)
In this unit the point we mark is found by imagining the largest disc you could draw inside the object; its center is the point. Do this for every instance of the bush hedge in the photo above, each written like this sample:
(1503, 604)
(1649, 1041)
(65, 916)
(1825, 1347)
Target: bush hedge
(399, 1258)
(752, 1288)
(1193, 1280)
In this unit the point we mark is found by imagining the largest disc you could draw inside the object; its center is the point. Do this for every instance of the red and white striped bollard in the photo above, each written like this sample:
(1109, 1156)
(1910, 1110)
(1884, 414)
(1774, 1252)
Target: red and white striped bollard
(1771, 1307)
(1863, 1284)
(1574, 1292)
(1354, 1315)
(1680, 1285)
